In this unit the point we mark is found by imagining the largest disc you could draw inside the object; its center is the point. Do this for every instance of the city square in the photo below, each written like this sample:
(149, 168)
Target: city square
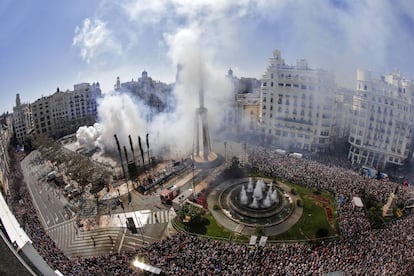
(207, 138)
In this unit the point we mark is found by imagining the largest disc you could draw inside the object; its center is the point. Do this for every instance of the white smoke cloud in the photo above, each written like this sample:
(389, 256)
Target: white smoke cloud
(207, 37)
(189, 46)
(93, 39)
(87, 136)
(118, 113)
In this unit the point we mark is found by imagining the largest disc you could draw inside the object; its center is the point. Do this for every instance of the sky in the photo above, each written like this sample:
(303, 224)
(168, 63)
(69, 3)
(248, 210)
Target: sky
(47, 44)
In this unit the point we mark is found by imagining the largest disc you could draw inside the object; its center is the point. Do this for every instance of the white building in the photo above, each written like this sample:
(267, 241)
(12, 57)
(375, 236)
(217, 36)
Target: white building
(6, 132)
(382, 123)
(22, 120)
(344, 111)
(155, 94)
(297, 106)
(242, 116)
(62, 113)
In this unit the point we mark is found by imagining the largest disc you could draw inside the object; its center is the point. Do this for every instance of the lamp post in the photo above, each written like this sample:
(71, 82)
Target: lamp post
(225, 151)
(193, 180)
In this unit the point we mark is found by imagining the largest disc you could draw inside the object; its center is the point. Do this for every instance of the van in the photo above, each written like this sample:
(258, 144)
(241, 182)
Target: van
(51, 176)
(296, 155)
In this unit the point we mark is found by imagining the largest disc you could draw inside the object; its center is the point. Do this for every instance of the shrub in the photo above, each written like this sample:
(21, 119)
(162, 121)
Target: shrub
(293, 191)
(259, 231)
(322, 232)
(317, 192)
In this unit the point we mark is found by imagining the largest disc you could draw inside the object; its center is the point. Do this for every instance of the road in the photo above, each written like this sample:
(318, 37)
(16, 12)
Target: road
(46, 198)
(61, 225)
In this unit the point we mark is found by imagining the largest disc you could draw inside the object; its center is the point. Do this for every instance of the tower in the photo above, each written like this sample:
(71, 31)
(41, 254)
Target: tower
(18, 102)
(201, 116)
(203, 156)
(118, 84)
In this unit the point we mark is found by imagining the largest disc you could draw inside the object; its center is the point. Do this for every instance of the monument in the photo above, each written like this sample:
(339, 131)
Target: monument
(202, 154)
(389, 206)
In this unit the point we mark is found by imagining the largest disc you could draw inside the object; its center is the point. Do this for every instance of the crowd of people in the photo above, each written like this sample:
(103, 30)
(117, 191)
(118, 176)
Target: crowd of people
(359, 250)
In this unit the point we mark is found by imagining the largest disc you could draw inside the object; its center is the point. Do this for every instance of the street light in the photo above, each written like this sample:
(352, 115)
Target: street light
(225, 151)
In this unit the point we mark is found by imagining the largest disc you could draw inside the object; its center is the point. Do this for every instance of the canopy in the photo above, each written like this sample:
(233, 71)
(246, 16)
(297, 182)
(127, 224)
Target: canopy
(357, 202)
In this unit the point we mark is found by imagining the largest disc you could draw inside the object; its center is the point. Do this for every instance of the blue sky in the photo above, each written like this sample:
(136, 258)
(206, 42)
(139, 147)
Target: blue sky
(47, 44)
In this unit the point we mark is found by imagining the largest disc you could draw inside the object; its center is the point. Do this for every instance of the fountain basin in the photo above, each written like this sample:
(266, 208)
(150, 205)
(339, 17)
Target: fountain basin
(259, 215)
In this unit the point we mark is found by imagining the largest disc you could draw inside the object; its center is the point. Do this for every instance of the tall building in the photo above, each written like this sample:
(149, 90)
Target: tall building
(247, 112)
(6, 132)
(22, 120)
(242, 116)
(382, 121)
(62, 113)
(297, 106)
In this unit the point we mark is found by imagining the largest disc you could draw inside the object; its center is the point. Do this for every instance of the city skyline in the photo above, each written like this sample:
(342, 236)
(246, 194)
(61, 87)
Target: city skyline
(48, 45)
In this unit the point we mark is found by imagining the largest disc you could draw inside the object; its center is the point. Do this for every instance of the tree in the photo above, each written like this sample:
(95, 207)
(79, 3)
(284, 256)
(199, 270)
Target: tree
(27, 143)
(235, 170)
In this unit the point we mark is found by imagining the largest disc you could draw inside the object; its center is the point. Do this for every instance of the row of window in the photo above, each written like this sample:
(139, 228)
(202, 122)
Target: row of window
(295, 77)
(294, 85)
(369, 157)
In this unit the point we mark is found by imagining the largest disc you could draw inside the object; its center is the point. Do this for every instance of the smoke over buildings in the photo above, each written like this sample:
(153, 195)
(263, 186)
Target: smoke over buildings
(207, 37)
(123, 114)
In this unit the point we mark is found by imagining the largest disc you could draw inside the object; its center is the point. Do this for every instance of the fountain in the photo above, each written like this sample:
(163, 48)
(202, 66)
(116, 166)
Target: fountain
(256, 199)
(254, 202)
(269, 191)
(267, 202)
(274, 197)
(258, 192)
(243, 196)
(250, 186)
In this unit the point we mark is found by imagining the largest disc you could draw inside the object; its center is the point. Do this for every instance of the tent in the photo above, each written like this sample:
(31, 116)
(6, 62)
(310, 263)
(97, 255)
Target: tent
(356, 201)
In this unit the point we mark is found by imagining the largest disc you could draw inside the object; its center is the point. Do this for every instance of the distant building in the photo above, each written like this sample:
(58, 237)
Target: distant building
(382, 121)
(297, 106)
(6, 133)
(22, 120)
(242, 117)
(344, 112)
(62, 113)
(154, 94)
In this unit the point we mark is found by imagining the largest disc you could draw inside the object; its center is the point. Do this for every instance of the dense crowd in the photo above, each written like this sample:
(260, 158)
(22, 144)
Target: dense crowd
(360, 250)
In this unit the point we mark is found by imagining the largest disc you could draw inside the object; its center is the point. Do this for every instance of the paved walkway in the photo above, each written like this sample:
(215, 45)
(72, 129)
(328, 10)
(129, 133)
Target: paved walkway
(243, 229)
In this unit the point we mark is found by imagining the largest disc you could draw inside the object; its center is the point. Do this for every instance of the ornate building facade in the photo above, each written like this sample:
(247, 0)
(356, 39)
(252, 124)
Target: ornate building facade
(383, 120)
(22, 120)
(297, 106)
(62, 113)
